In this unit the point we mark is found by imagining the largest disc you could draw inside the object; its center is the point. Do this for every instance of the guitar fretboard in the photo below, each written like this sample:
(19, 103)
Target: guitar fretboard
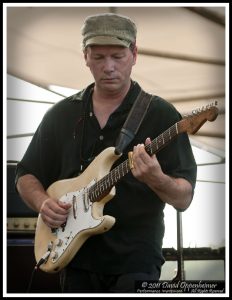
(102, 187)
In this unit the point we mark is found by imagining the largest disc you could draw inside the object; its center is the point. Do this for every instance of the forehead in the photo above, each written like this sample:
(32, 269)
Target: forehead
(106, 49)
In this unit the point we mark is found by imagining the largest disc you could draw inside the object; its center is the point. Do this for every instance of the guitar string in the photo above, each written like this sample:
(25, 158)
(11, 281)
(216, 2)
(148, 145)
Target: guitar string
(110, 179)
(105, 183)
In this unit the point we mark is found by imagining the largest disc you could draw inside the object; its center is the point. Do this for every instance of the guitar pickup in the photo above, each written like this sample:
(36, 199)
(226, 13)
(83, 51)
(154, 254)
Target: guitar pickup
(86, 200)
(74, 204)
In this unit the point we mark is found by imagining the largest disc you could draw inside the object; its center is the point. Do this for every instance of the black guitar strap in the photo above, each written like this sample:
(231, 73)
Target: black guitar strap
(133, 121)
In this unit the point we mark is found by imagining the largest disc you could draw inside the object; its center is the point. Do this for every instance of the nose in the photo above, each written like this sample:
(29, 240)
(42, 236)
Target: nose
(109, 65)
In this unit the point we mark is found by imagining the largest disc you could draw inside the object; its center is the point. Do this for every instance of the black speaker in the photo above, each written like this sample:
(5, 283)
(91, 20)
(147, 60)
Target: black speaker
(20, 263)
(21, 276)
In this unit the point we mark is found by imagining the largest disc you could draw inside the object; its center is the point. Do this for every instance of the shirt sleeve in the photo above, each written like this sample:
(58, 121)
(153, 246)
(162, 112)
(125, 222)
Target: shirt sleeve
(177, 159)
(41, 154)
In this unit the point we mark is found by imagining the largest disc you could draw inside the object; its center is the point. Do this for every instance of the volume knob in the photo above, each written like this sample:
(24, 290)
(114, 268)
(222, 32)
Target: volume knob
(54, 255)
(58, 242)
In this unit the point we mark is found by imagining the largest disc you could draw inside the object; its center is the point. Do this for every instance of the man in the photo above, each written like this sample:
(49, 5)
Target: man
(76, 130)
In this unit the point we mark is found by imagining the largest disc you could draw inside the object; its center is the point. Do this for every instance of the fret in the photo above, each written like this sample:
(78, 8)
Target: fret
(101, 188)
(176, 128)
(120, 171)
(163, 139)
(150, 149)
(127, 167)
(113, 176)
(91, 192)
(156, 145)
(97, 189)
(111, 182)
(117, 171)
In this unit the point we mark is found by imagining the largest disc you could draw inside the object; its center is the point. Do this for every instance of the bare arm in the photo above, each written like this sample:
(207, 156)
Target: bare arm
(53, 212)
(174, 191)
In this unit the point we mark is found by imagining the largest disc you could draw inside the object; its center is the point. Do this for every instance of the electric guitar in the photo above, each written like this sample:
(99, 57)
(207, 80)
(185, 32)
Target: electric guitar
(89, 192)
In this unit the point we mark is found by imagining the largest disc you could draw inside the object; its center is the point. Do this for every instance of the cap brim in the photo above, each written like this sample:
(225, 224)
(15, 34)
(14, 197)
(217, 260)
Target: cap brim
(107, 40)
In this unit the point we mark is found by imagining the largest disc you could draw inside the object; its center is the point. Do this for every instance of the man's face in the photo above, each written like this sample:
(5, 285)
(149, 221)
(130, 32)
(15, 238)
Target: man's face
(110, 66)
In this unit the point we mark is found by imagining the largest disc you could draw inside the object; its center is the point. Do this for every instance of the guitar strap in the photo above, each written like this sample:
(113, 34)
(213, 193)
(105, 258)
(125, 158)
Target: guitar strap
(133, 121)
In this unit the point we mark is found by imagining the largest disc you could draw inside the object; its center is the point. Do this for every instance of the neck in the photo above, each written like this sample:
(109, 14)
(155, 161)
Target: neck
(110, 97)
(105, 103)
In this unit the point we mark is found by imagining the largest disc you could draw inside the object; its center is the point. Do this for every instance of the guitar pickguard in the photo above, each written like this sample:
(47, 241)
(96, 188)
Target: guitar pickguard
(80, 218)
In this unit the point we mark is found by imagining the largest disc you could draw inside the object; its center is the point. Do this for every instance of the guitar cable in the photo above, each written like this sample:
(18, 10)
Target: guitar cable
(42, 260)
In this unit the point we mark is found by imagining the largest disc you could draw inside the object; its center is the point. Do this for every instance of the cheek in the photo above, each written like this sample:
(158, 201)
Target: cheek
(94, 70)
(127, 67)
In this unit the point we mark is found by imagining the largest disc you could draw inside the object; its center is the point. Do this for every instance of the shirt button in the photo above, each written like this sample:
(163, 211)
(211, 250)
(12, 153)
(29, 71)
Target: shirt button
(101, 137)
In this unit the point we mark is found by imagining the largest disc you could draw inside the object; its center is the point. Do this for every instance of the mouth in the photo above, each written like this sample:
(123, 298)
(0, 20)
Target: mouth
(109, 79)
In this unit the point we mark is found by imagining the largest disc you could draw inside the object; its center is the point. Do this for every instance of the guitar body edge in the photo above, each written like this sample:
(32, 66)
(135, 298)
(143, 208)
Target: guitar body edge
(54, 267)
(100, 166)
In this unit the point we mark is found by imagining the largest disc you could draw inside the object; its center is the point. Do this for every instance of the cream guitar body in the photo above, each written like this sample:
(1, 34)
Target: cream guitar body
(85, 217)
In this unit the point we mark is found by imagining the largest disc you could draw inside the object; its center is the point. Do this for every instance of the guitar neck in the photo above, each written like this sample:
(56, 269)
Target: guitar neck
(102, 187)
(191, 124)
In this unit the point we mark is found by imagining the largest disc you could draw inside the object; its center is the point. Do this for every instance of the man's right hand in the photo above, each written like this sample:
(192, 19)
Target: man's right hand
(54, 213)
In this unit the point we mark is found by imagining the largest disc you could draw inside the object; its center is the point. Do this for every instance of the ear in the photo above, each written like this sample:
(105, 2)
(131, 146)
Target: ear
(135, 52)
(85, 57)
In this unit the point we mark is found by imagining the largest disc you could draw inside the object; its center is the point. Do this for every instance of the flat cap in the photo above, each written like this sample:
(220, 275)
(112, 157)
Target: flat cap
(108, 29)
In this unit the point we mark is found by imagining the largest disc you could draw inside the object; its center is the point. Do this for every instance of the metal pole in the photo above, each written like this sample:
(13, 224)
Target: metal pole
(180, 275)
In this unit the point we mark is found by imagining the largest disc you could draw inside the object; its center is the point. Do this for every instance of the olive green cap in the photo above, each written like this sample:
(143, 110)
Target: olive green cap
(108, 29)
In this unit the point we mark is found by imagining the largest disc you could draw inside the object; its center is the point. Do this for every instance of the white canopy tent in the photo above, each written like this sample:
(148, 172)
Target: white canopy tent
(182, 54)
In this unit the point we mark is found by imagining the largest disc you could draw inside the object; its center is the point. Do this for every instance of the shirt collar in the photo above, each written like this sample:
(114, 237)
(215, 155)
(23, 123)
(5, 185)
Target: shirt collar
(127, 102)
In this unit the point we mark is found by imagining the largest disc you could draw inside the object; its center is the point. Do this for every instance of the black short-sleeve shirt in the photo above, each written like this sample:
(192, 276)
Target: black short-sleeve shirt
(65, 143)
